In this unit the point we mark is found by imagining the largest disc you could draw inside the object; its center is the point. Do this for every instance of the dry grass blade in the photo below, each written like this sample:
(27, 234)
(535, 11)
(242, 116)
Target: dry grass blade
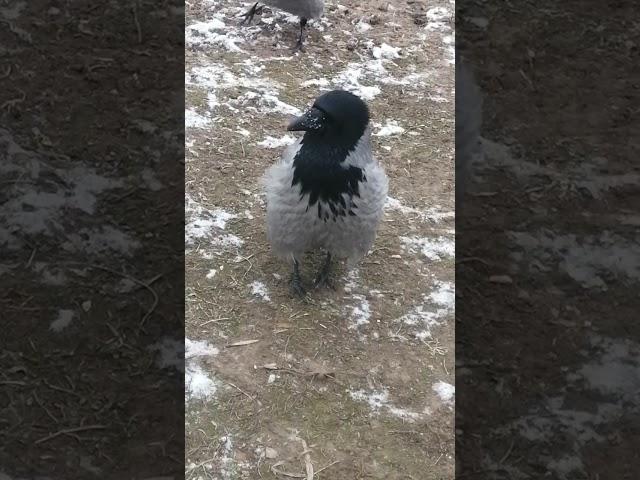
(276, 471)
(242, 343)
(138, 282)
(307, 460)
(67, 431)
(327, 466)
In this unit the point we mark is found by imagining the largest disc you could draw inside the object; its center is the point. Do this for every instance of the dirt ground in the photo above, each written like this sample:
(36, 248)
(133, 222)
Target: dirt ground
(356, 383)
(548, 259)
(91, 259)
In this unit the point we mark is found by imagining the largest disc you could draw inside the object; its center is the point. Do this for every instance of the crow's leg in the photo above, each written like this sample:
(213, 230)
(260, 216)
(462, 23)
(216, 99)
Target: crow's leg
(248, 17)
(322, 279)
(296, 282)
(300, 45)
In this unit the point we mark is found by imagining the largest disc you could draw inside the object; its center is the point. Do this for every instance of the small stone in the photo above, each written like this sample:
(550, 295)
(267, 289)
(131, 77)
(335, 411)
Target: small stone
(86, 306)
(270, 453)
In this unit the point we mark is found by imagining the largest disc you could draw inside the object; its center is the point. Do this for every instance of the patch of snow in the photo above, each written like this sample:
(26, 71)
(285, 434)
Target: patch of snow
(316, 82)
(207, 33)
(260, 290)
(363, 27)
(150, 180)
(445, 391)
(203, 223)
(271, 142)
(13, 12)
(361, 312)
(434, 214)
(198, 348)
(432, 248)
(379, 400)
(99, 240)
(198, 384)
(444, 295)
(390, 128)
(424, 317)
(193, 119)
(62, 321)
(437, 18)
(588, 260)
(170, 353)
(386, 51)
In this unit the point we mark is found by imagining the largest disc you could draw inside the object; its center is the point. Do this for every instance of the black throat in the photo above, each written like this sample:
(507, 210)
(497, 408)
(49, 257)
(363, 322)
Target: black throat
(318, 168)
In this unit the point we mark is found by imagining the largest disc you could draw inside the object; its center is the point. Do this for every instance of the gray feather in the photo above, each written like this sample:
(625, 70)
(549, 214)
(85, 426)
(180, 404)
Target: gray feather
(293, 228)
(302, 8)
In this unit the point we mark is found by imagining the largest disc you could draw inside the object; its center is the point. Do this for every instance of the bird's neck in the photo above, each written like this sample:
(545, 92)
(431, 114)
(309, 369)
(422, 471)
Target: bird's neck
(320, 171)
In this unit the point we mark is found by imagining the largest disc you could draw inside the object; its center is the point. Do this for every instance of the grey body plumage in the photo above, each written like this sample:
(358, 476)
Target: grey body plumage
(304, 9)
(327, 191)
(468, 125)
(309, 9)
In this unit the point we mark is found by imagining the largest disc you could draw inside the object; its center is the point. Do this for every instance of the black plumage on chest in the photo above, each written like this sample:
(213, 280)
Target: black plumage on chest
(321, 175)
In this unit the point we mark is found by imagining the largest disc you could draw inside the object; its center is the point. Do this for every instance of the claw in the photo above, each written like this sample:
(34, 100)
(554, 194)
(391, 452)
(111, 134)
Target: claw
(297, 289)
(322, 279)
(248, 17)
(300, 44)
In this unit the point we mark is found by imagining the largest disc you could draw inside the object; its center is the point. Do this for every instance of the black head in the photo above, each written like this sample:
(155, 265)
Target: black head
(337, 118)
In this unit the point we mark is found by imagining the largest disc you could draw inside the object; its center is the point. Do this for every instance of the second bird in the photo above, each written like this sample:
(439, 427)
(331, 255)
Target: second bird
(328, 191)
(304, 9)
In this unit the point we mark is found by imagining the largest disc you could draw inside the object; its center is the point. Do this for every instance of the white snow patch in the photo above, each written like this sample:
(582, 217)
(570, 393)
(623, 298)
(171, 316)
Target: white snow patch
(386, 51)
(193, 119)
(434, 214)
(260, 290)
(198, 348)
(444, 295)
(445, 391)
(390, 128)
(198, 384)
(99, 240)
(206, 33)
(424, 317)
(170, 353)
(433, 248)
(12, 13)
(437, 19)
(150, 180)
(586, 259)
(583, 177)
(379, 400)
(62, 321)
(361, 312)
(316, 82)
(203, 223)
(363, 27)
(271, 142)
(350, 80)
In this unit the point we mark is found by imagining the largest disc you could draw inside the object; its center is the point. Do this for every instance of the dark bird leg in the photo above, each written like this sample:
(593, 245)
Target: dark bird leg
(322, 279)
(296, 282)
(300, 45)
(248, 17)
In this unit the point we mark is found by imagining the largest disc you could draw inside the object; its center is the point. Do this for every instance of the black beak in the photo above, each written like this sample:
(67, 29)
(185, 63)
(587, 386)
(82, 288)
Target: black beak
(310, 121)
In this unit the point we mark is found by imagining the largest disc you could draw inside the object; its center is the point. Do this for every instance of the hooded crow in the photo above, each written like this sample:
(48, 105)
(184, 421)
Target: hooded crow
(305, 9)
(327, 191)
(468, 123)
